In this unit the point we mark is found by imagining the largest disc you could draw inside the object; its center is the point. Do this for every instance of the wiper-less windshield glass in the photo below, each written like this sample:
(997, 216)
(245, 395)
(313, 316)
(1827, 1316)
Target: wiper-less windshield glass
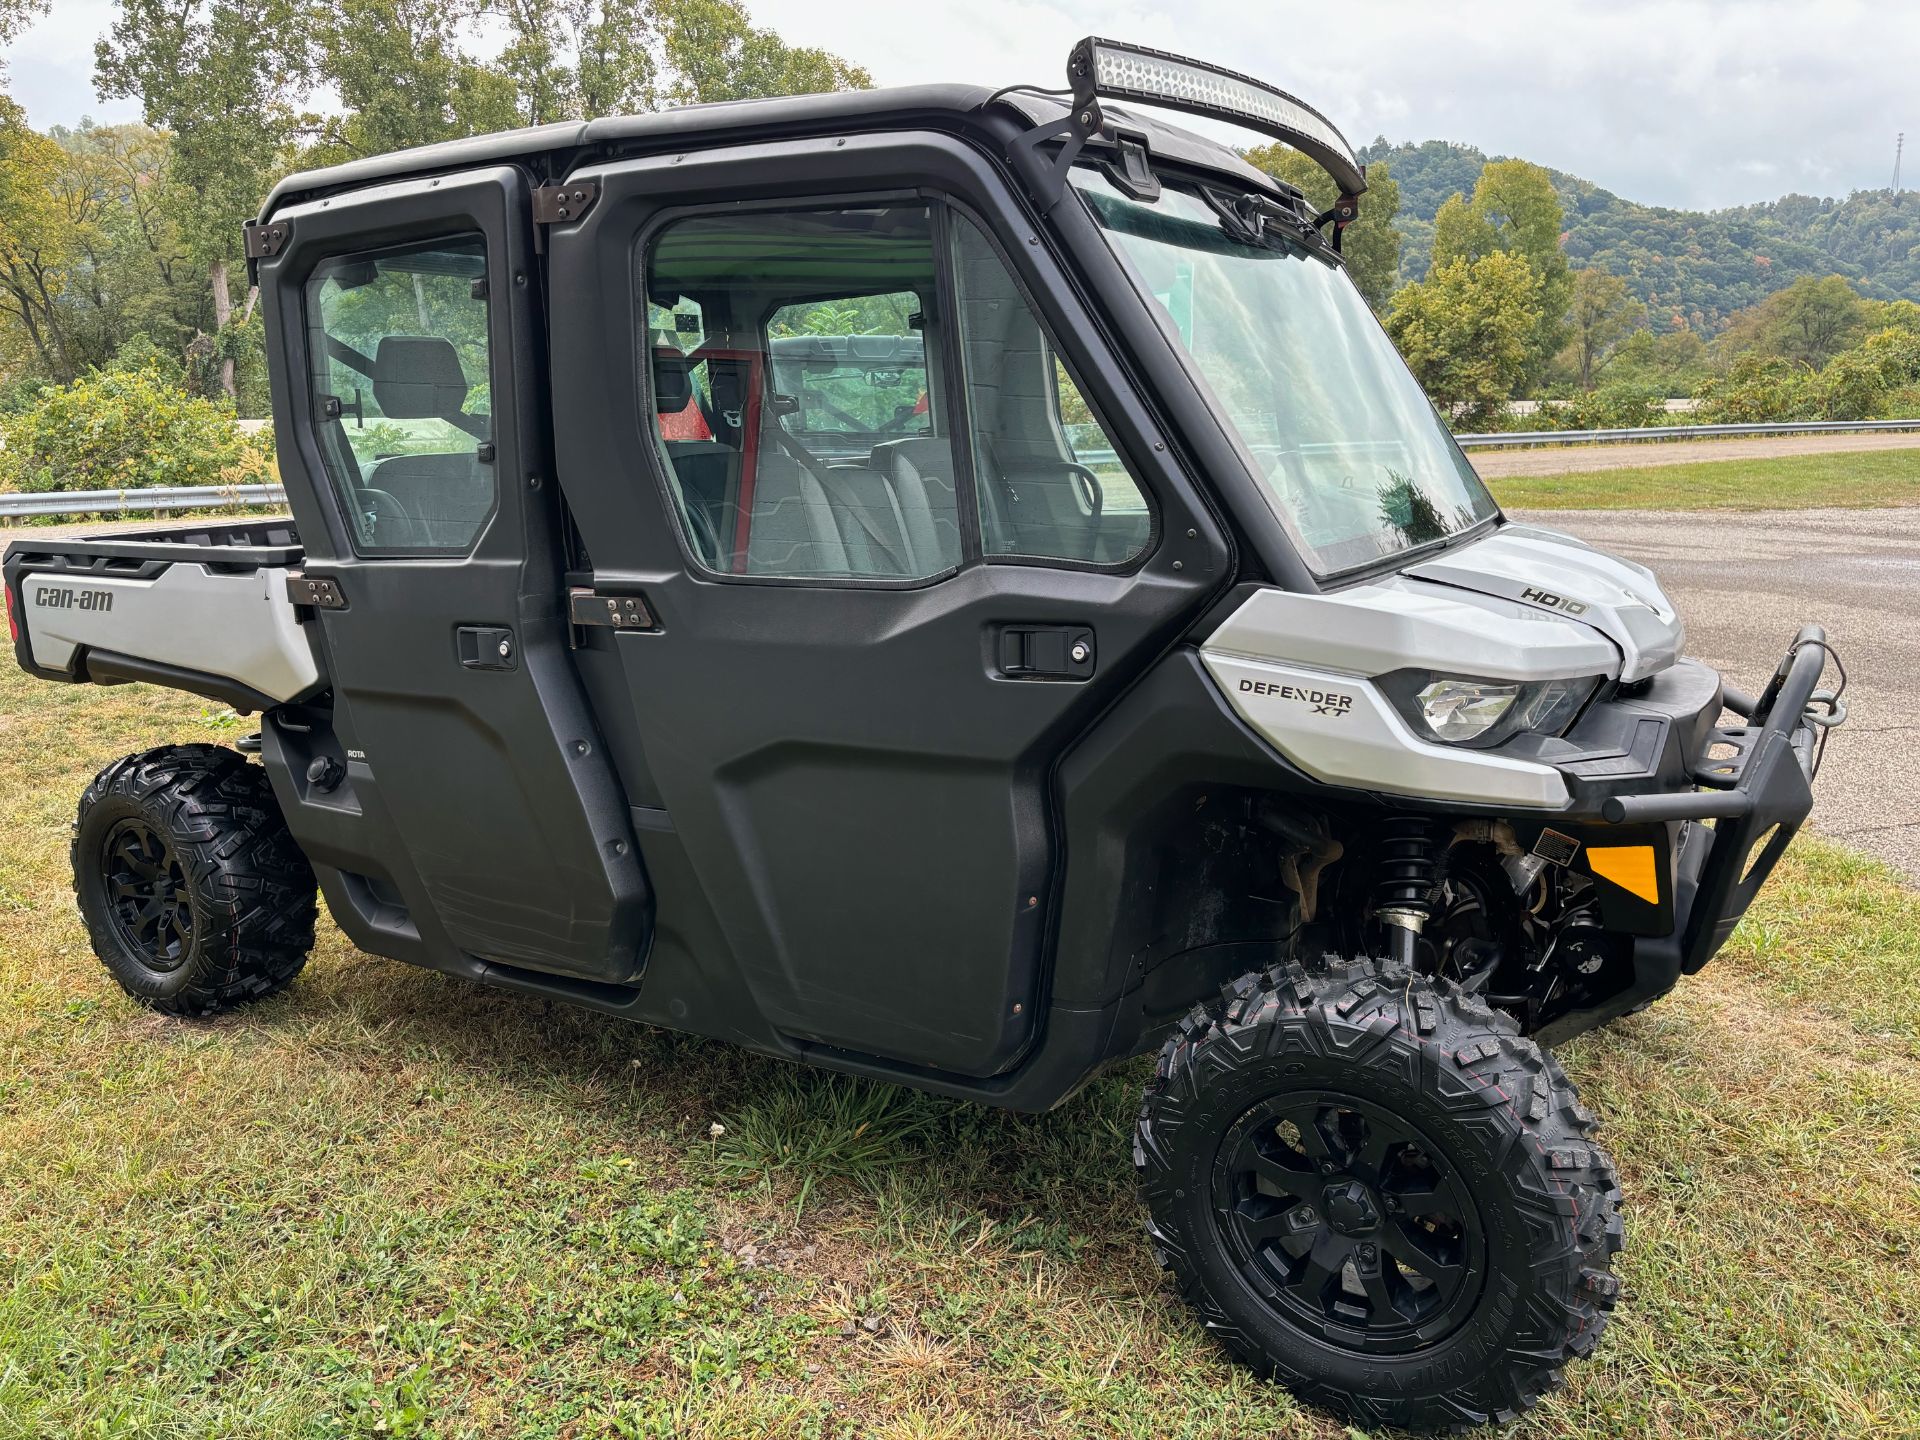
(1358, 464)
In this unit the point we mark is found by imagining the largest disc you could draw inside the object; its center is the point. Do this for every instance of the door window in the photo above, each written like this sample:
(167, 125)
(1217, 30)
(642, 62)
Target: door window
(797, 373)
(1052, 484)
(400, 368)
(792, 392)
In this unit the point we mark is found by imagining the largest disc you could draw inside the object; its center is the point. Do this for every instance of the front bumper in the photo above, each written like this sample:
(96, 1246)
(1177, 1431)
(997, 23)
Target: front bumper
(1753, 781)
(1757, 796)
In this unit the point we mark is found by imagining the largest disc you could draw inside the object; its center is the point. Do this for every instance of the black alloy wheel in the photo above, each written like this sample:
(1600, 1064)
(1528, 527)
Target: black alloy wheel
(1351, 1220)
(195, 896)
(1374, 1190)
(148, 894)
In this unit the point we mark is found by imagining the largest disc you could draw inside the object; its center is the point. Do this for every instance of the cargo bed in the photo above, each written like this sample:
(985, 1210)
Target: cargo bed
(201, 607)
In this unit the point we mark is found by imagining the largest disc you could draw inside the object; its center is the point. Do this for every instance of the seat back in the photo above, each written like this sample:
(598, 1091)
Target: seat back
(921, 474)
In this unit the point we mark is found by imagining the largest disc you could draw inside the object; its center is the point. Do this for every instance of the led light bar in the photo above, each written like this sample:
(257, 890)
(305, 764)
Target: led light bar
(1153, 77)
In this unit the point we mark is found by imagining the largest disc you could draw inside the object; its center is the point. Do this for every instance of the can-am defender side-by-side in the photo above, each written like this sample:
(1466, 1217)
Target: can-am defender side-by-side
(953, 587)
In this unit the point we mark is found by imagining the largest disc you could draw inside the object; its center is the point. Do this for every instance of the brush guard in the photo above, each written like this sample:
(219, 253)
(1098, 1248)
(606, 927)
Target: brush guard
(1757, 796)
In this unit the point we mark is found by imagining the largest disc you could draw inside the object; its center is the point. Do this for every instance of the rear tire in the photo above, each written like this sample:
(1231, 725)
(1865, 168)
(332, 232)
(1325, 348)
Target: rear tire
(1373, 1190)
(194, 895)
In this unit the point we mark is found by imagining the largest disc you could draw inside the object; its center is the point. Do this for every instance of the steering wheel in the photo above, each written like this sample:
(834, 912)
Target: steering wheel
(380, 509)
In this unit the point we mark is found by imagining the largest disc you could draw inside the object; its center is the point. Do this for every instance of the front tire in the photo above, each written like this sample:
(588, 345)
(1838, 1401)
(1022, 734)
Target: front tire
(1373, 1190)
(194, 895)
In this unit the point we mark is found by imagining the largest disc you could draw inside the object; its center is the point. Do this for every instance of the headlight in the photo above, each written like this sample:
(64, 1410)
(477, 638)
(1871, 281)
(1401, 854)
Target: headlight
(1459, 710)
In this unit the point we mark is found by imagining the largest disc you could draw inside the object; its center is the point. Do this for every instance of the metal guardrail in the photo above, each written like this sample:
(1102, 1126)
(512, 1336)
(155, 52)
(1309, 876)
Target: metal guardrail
(1514, 439)
(214, 497)
(123, 502)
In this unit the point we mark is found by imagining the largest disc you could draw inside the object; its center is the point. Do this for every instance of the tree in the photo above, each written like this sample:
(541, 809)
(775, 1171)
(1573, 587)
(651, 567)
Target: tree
(1371, 244)
(1603, 315)
(403, 78)
(1673, 364)
(579, 59)
(1515, 211)
(15, 17)
(715, 52)
(219, 75)
(1809, 322)
(1467, 331)
(35, 242)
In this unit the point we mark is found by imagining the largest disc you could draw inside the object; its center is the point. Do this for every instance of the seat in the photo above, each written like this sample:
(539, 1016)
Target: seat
(447, 497)
(792, 530)
(920, 472)
(703, 469)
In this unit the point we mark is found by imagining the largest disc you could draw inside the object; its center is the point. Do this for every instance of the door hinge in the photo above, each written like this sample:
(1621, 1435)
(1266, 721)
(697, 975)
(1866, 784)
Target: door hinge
(262, 242)
(322, 592)
(557, 204)
(619, 612)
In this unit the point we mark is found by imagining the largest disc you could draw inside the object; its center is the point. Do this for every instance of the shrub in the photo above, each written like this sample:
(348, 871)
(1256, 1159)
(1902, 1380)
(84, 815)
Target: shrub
(1759, 389)
(128, 430)
(1619, 406)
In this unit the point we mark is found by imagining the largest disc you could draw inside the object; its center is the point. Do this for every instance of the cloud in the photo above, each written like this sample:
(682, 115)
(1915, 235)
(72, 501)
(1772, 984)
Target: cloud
(1691, 104)
(1700, 103)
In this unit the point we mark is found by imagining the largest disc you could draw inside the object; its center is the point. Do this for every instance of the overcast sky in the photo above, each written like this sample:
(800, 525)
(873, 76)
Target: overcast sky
(1711, 103)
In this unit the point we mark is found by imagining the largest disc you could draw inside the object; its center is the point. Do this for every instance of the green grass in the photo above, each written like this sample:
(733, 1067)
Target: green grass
(1856, 480)
(387, 1203)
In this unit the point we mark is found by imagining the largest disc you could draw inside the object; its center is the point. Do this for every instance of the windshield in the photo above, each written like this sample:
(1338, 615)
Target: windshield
(1358, 464)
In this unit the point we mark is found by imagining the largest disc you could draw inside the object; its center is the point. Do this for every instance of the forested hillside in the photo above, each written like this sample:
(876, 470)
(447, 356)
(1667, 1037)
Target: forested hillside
(1700, 266)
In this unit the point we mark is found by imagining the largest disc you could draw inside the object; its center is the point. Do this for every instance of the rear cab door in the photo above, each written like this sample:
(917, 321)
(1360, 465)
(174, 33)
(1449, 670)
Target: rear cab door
(460, 809)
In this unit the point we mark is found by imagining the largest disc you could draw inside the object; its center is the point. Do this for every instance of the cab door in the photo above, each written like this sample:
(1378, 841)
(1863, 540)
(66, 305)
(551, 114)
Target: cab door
(888, 591)
(460, 808)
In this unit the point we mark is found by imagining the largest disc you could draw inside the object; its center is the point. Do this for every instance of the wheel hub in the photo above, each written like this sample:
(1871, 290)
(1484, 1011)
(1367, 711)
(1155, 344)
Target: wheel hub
(1350, 1208)
(1349, 1223)
(148, 895)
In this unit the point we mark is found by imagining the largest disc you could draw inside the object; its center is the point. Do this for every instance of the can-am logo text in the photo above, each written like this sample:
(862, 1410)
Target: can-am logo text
(1553, 601)
(53, 599)
(1324, 702)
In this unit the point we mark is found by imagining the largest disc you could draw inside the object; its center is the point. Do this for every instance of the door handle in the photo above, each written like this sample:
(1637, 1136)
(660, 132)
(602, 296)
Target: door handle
(1045, 652)
(486, 647)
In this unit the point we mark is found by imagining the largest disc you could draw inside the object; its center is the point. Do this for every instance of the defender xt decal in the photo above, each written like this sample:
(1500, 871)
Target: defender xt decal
(1324, 702)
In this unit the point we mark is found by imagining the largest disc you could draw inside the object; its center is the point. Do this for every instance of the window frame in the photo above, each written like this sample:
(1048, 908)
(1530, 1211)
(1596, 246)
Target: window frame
(947, 390)
(312, 325)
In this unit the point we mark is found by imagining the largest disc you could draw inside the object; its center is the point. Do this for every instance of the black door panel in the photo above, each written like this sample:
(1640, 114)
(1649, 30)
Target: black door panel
(478, 797)
(861, 790)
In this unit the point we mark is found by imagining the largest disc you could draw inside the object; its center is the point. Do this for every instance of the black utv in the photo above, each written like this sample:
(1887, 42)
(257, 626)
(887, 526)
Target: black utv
(955, 587)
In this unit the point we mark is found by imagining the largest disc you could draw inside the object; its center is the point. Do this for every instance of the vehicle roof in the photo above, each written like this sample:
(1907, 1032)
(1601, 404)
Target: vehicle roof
(554, 150)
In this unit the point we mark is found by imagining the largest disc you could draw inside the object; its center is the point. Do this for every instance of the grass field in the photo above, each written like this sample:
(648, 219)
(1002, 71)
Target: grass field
(1854, 480)
(387, 1203)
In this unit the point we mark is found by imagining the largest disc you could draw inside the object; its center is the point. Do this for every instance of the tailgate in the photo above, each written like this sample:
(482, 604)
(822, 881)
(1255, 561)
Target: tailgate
(214, 620)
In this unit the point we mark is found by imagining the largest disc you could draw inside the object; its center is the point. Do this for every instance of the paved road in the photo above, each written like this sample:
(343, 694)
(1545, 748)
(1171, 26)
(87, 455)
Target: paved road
(1745, 583)
(1560, 459)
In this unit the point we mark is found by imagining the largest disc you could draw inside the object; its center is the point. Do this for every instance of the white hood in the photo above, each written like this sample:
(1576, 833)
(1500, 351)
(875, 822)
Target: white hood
(1554, 572)
(1521, 604)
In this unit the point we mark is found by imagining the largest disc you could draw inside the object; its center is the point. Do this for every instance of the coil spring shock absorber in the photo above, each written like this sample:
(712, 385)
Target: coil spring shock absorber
(1407, 876)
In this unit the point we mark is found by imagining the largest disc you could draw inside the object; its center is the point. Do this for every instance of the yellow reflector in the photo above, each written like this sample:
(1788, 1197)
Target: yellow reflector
(1631, 867)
